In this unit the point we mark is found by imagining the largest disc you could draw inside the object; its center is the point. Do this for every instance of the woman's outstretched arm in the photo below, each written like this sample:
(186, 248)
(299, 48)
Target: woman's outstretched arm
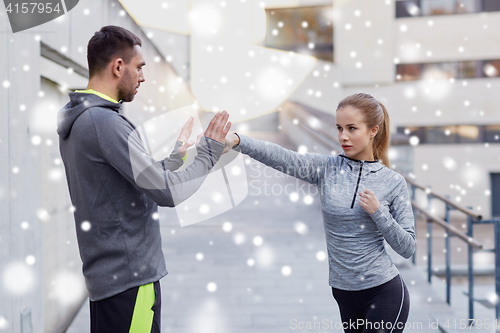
(309, 167)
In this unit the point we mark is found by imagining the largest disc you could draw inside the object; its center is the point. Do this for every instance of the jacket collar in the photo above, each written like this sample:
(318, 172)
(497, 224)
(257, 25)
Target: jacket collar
(369, 166)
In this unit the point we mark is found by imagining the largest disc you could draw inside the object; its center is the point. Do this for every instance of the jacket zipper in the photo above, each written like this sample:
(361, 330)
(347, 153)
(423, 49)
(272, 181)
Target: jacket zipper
(357, 185)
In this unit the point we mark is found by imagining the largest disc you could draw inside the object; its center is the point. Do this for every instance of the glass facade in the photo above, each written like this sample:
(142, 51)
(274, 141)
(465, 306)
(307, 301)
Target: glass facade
(448, 70)
(453, 134)
(491, 68)
(492, 133)
(414, 8)
(306, 30)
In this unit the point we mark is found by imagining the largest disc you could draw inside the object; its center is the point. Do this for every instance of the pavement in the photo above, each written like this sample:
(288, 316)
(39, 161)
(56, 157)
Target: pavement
(268, 272)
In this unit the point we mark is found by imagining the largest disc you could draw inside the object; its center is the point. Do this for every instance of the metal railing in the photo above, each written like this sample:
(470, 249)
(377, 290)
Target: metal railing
(451, 231)
(301, 116)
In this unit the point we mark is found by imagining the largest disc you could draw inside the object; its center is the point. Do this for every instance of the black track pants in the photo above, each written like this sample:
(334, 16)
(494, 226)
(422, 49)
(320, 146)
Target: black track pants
(136, 310)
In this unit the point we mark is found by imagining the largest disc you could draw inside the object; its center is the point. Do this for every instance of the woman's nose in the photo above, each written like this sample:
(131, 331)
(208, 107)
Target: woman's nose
(343, 137)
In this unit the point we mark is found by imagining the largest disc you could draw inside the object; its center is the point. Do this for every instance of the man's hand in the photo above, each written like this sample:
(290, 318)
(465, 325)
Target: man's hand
(231, 141)
(184, 136)
(217, 128)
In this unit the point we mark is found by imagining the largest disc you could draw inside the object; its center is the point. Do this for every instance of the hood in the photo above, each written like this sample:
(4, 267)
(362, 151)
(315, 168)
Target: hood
(79, 103)
(369, 166)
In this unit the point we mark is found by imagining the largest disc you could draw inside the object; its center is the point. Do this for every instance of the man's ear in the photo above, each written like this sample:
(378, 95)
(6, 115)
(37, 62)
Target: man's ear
(118, 67)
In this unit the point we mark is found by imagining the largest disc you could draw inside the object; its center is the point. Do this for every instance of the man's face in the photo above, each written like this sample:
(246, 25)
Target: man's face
(132, 77)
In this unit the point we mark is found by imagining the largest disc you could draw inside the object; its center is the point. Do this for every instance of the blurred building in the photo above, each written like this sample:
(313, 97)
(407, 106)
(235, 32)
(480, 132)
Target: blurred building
(435, 64)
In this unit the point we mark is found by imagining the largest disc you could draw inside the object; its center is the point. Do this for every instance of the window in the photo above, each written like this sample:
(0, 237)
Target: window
(440, 70)
(491, 5)
(411, 8)
(437, 7)
(453, 134)
(495, 193)
(492, 133)
(467, 7)
(409, 72)
(307, 30)
(408, 8)
(441, 134)
(467, 134)
(491, 68)
(468, 69)
(414, 131)
(448, 70)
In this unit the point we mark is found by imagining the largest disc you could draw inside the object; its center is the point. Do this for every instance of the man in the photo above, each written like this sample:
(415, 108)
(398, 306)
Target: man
(116, 187)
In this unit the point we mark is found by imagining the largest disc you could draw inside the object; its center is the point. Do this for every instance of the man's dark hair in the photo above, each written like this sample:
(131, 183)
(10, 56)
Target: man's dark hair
(108, 43)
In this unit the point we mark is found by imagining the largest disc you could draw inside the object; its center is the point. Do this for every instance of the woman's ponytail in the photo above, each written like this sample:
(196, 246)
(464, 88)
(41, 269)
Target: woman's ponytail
(381, 140)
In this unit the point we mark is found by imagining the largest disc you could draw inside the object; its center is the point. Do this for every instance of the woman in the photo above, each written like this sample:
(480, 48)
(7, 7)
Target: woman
(363, 203)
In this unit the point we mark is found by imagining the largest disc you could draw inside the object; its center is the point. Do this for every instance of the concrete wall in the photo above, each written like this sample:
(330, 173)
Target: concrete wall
(19, 181)
(62, 285)
(351, 34)
(175, 47)
(444, 34)
(322, 89)
(460, 171)
(40, 266)
(5, 239)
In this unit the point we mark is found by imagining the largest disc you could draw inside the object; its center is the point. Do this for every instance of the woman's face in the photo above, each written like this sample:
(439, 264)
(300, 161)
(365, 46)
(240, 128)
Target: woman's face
(353, 134)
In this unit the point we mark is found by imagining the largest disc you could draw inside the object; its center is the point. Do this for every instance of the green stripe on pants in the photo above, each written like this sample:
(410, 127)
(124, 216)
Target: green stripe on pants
(142, 319)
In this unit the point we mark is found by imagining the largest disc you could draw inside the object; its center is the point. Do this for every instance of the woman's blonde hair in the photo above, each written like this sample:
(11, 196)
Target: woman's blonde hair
(374, 113)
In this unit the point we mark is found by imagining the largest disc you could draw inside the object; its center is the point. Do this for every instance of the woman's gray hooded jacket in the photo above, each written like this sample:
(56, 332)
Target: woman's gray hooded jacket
(355, 239)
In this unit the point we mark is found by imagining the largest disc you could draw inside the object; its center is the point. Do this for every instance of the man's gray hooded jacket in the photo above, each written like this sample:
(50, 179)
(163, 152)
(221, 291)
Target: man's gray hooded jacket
(116, 188)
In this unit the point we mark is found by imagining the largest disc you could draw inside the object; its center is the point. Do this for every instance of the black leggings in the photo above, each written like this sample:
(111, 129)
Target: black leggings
(379, 309)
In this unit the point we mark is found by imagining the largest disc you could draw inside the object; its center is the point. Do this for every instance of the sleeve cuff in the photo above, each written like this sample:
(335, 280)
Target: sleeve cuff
(185, 155)
(380, 216)
(215, 145)
(244, 143)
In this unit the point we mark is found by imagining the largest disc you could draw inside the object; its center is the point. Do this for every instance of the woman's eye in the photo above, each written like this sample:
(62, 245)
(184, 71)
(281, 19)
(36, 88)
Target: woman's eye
(353, 127)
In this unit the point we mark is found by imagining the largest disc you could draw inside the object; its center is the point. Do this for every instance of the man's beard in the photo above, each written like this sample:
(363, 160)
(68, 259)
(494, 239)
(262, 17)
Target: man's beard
(125, 90)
